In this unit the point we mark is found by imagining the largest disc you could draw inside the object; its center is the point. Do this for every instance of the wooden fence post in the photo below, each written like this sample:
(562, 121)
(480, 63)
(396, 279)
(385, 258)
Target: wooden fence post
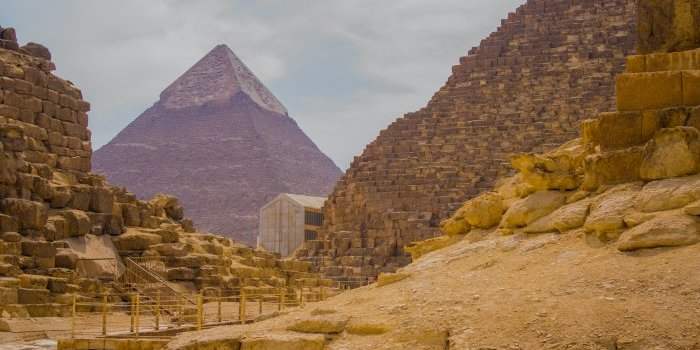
(241, 306)
(104, 314)
(180, 310)
(282, 297)
(218, 306)
(137, 308)
(158, 310)
(72, 320)
(132, 311)
(200, 311)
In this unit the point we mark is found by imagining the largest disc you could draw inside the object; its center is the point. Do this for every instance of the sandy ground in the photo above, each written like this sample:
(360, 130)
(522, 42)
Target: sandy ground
(538, 292)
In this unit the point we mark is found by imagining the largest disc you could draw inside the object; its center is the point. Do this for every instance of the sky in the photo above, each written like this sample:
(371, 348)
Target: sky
(345, 69)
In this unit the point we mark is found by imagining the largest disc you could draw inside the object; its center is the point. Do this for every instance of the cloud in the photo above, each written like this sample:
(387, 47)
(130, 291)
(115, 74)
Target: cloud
(344, 69)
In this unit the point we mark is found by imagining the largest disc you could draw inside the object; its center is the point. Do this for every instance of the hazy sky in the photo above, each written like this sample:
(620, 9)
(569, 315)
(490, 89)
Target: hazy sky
(344, 69)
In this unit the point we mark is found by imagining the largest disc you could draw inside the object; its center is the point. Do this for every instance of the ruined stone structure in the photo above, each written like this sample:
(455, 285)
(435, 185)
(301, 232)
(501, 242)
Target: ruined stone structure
(56, 216)
(222, 143)
(527, 86)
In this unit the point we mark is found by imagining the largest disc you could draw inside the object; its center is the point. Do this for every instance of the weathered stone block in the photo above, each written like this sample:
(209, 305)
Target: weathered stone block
(77, 222)
(101, 200)
(636, 64)
(612, 167)
(668, 25)
(665, 231)
(38, 249)
(29, 214)
(8, 223)
(180, 274)
(66, 258)
(33, 281)
(691, 87)
(525, 211)
(654, 90)
(620, 130)
(32, 296)
(673, 152)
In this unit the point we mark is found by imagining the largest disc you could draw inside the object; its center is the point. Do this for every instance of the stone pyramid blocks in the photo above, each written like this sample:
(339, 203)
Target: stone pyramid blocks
(649, 90)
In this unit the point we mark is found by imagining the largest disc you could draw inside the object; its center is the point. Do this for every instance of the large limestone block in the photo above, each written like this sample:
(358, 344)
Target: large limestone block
(101, 200)
(620, 129)
(169, 204)
(673, 152)
(568, 217)
(556, 170)
(668, 25)
(135, 239)
(651, 90)
(77, 222)
(33, 281)
(283, 341)
(29, 214)
(8, 296)
(484, 211)
(180, 274)
(391, 278)
(32, 296)
(532, 207)
(613, 167)
(691, 87)
(663, 231)
(455, 225)
(668, 194)
(607, 212)
(327, 324)
(38, 249)
(418, 249)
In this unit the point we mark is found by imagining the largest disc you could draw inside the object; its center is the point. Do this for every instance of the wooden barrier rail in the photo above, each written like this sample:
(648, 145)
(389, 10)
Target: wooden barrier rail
(134, 316)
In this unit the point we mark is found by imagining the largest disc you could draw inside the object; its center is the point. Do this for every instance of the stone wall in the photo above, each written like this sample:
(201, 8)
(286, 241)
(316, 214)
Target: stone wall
(526, 88)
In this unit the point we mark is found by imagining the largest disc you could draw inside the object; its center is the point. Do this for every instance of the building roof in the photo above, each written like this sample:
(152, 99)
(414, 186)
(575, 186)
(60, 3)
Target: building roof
(306, 201)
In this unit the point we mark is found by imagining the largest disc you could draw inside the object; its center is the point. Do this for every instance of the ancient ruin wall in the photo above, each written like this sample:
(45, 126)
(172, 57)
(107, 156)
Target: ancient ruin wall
(527, 86)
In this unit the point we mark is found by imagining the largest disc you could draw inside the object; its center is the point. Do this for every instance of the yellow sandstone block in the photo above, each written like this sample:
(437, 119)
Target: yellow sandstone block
(418, 249)
(362, 328)
(651, 123)
(389, 278)
(691, 87)
(655, 90)
(65, 344)
(620, 130)
(590, 131)
(636, 64)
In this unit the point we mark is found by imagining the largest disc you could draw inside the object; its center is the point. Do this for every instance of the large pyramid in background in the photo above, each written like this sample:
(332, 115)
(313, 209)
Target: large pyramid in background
(220, 141)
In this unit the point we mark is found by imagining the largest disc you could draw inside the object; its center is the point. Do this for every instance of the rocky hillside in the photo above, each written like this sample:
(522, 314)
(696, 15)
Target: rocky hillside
(525, 88)
(220, 141)
(590, 246)
(63, 228)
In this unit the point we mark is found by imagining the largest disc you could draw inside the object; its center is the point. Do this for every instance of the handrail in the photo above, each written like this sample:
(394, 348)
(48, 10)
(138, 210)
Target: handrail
(136, 270)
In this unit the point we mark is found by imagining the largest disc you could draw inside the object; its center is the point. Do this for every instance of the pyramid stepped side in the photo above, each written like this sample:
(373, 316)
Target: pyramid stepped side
(221, 142)
(526, 88)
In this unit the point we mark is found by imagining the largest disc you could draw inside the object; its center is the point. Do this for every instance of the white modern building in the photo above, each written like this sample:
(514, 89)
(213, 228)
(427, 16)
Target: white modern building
(289, 220)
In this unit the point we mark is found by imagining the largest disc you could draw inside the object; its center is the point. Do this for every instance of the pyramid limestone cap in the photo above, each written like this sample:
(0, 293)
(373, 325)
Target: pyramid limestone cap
(218, 76)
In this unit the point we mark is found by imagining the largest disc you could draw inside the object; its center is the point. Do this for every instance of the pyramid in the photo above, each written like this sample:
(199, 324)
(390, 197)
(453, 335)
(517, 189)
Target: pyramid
(220, 141)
